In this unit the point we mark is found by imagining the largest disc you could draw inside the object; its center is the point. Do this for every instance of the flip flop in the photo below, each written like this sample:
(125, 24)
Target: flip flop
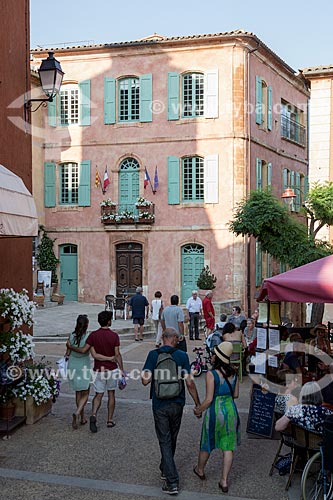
(111, 423)
(202, 477)
(74, 421)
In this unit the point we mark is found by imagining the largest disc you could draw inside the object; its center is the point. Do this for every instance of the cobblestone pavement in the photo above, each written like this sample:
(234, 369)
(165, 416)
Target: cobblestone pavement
(49, 460)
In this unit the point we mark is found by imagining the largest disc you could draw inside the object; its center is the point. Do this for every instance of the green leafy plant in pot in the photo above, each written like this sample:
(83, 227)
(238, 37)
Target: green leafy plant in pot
(206, 280)
(46, 259)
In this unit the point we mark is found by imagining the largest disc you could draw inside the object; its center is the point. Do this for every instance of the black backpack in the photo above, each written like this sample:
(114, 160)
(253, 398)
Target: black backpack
(167, 381)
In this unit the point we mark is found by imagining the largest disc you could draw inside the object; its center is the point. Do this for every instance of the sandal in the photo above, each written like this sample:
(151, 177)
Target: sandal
(110, 423)
(200, 476)
(84, 421)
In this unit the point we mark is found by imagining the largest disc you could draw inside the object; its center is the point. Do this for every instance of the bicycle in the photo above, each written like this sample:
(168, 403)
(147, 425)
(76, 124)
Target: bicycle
(317, 477)
(200, 364)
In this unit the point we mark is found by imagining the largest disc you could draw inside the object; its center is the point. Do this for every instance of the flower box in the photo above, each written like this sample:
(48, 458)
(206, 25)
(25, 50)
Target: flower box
(58, 297)
(32, 412)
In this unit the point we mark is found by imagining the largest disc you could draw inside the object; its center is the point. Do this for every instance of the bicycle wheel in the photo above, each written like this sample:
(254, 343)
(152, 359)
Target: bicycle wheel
(196, 369)
(312, 483)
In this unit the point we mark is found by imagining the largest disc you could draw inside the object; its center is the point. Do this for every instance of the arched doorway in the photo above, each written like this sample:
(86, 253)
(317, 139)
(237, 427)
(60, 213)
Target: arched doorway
(193, 258)
(68, 271)
(129, 267)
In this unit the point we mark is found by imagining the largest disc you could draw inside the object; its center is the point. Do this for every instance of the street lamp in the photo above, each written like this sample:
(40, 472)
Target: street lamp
(50, 75)
(288, 195)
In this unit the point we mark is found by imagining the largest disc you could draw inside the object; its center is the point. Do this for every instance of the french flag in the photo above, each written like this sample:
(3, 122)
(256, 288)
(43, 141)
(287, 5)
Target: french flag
(106, 181)
(147, 178)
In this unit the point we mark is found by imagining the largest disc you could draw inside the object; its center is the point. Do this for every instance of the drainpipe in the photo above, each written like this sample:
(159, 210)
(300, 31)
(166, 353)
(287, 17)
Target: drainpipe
(248, 177)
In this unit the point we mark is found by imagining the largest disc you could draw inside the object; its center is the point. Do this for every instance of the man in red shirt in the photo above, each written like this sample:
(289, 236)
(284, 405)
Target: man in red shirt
(104, 346)
(209, 312)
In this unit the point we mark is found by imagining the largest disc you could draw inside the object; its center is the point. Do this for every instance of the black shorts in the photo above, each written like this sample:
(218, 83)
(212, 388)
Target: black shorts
(138, 321)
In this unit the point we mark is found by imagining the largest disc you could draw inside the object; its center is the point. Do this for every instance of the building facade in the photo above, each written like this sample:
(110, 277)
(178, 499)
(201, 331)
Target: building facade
(321, 126)
(208, 118)
(15, 137)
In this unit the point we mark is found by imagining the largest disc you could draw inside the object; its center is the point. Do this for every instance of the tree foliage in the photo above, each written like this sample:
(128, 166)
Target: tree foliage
(263, 216)
(206, 280)
(319, 207)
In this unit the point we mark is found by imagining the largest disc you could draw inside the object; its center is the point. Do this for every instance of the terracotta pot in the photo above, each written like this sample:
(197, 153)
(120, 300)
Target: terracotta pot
(4, 325)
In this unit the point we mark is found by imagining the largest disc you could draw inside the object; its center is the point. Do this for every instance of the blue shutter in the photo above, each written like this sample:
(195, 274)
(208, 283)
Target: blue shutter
(258, 174)
(285, 179)
(269, 108)
(52, 112)
(109, 100)
(293, 187)
(269, 174)
(173, 96)
(173, 181)
(297, 191)
(146, 97)
(306, 187)
(258, 100)
(84, 100)
(49, 184)
(84, 184)
(258, 264)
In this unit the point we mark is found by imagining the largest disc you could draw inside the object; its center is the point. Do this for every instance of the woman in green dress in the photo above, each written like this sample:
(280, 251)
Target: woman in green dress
(79, 369)
(220, 427)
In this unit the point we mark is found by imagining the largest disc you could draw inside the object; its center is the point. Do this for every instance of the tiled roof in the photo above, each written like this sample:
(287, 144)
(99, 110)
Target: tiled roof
(327, 68)
(159, 39)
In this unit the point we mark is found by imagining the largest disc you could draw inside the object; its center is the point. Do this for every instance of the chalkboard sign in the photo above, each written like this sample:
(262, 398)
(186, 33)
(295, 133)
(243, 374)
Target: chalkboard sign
(261, 414)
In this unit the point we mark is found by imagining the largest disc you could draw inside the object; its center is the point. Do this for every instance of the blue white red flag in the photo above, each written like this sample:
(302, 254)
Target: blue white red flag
(155, 180)
(147, 178)
(106, 181)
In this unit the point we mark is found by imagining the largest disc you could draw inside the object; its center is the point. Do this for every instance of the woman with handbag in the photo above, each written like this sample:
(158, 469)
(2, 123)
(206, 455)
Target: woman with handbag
(79, 370)
(221, 425)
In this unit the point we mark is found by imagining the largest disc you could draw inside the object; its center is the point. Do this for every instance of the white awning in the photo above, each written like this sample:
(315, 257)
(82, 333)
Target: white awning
(18, 215)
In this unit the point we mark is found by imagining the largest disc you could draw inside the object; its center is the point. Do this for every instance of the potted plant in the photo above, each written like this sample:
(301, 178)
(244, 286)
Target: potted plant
(206, 280)
(46, 258)
(142, 202)
(146, 216)
(7, 405)
(108, 206)
(15, 309)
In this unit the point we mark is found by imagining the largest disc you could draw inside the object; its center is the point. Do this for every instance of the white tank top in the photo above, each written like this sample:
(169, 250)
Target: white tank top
(156, 306)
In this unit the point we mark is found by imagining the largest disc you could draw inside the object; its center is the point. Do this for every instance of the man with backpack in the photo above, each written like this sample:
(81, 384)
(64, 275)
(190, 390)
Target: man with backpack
(167, 368)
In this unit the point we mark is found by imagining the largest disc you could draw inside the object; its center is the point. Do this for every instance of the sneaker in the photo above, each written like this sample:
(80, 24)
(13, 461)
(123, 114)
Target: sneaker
(170, 490)
(162, 477)
(92, 424)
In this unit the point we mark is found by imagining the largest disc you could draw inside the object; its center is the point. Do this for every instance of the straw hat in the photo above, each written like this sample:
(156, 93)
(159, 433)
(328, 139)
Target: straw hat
(224, 351)
(320, 326)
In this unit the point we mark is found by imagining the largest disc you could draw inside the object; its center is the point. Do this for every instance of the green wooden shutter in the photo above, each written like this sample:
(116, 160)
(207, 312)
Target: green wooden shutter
(269, 108)
(109, 100)
(293, 186)
(258, 173)
(49, 184)
(258, 100)
(258, 264)
(52, 112)
(84, 100)
(306, 187)
(285, 178)
(173, 181)
(211, 90)
(211, 178)
(269, 174)
(84, 184)
(297, 191)
(146, 97)
(173, 96)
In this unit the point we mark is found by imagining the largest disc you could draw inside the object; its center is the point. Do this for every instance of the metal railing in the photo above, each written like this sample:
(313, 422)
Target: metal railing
(292, 130)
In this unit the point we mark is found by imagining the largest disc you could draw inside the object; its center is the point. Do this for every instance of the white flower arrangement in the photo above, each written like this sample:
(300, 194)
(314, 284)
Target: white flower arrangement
(142, 202)
(18, 346)
(39, 382)
(17, 307)
(147, 215)
(108, 203)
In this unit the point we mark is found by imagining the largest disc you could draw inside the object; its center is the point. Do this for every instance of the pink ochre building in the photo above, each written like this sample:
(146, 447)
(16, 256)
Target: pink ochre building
(211, 116)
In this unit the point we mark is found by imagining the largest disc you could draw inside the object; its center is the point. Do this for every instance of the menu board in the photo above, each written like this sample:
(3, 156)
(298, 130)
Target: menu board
(261, 414)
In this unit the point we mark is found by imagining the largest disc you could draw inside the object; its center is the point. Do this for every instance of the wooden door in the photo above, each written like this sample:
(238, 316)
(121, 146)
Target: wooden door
(68, 272)
(192, 264)
(129, 267)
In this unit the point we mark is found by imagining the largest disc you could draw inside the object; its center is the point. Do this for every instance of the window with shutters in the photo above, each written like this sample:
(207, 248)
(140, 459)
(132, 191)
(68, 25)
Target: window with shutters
(129, 99)
(297, 181)
(69, 104)
(263, 174)
(193, 178)
(69, 183)
(193, 95)
(292, 123)
(263, 104)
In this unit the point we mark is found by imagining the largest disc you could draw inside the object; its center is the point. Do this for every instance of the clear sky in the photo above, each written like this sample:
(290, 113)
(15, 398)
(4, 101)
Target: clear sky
(299, 31)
